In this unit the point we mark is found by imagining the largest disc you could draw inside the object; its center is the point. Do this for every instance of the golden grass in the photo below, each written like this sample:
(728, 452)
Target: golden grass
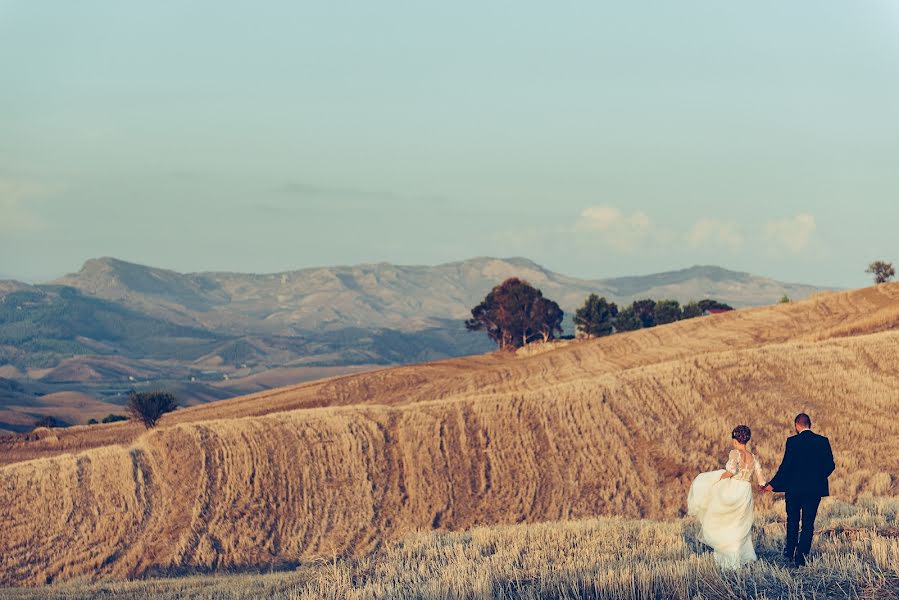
(616, 426)
(856, 556)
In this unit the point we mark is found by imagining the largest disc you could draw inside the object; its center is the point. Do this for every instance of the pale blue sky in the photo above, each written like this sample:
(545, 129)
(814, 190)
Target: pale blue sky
(596, 138)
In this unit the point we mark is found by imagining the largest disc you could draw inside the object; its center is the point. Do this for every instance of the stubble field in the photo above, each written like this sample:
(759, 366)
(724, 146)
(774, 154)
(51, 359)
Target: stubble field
(349, 467)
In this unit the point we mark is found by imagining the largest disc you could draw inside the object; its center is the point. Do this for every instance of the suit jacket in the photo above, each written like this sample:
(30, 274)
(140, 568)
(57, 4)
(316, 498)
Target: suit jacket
(806, 465)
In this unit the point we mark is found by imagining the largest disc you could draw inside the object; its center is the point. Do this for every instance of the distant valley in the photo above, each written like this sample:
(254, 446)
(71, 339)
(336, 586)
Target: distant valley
(71, 348)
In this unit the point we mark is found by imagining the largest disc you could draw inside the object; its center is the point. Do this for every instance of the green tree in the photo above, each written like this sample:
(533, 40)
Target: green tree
(882, 271)
(596, 317)
(784, 299)
(691, 310)
(546, 318)
(514, 313)
(148, 407)
(645, 311)
(667, 311)
(627, 320)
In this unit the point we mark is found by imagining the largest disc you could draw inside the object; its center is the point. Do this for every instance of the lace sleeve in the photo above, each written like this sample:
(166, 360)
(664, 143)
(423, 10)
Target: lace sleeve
(733, 462)
(759, 474)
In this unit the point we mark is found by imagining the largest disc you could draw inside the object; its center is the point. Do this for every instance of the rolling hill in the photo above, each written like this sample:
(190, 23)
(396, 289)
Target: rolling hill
(612, 426)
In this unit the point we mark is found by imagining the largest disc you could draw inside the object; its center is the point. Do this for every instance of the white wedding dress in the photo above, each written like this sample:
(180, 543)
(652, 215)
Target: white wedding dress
(724, 509)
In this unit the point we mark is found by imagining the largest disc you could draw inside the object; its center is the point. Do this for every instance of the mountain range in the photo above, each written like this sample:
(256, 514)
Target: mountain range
(116, 325)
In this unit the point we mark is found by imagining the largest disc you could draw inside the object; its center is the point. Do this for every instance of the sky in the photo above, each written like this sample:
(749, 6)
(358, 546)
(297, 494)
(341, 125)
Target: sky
(596, 138)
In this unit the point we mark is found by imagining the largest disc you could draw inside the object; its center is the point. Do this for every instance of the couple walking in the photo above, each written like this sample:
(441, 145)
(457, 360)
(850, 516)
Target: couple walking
(722, 500)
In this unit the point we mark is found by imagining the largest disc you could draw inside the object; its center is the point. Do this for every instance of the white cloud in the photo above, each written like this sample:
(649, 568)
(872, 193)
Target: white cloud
(793, 233)
(714, 233)
(15, 215)
(623, 232)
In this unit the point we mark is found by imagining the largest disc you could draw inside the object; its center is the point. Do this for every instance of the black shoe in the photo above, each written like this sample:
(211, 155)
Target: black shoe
(800, 560)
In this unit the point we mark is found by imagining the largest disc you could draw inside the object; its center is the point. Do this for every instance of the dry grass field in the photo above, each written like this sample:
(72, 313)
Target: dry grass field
(341, 467)
(856, 556)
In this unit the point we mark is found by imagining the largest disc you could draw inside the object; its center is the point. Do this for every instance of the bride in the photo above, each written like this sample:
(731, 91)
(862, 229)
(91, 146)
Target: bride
(722, 501)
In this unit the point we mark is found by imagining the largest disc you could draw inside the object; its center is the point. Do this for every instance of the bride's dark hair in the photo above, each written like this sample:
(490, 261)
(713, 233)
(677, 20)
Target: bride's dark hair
(741, 433)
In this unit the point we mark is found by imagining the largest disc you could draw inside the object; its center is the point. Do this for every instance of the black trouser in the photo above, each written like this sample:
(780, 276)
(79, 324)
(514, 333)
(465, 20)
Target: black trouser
(800, 507)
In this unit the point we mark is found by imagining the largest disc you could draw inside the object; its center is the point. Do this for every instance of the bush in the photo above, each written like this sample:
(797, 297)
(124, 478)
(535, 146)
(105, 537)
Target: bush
(713, 305)
(50, 421)
(148, 407)
(92, 421)
(111, 418)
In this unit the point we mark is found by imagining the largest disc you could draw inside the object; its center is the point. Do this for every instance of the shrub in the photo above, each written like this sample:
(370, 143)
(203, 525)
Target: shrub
(148, 407)
(713, 305)
(111, 418)
(50, 421)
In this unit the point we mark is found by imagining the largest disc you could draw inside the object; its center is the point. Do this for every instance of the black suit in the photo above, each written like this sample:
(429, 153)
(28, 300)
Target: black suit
(802, 476)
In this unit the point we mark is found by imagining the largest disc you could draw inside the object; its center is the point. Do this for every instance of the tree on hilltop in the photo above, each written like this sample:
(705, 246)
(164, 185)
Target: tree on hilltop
(882, 271)
(148, 407)
(627, 320)
(596, 317)
(515, 312)
(546, 317)
(667, 311)
(691, 310)
(645, 311)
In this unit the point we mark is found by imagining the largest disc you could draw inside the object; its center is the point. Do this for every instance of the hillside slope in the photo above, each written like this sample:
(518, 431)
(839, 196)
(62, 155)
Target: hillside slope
(611, 426)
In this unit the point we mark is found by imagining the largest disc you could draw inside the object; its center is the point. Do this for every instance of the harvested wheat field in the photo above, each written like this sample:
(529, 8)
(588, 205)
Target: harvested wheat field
(857, 557)
(614, 426)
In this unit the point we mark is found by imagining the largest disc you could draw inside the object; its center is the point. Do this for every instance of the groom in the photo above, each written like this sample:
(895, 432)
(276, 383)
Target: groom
(803, 473)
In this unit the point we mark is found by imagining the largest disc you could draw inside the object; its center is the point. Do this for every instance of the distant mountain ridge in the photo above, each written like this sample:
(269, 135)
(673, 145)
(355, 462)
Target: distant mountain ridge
(114, 325)
(401, 297)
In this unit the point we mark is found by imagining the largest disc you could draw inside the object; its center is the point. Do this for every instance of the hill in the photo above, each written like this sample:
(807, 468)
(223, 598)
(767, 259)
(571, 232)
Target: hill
(617, 425)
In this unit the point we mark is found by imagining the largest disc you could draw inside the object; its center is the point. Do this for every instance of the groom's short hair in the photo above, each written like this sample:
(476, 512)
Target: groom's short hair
(804, 420)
